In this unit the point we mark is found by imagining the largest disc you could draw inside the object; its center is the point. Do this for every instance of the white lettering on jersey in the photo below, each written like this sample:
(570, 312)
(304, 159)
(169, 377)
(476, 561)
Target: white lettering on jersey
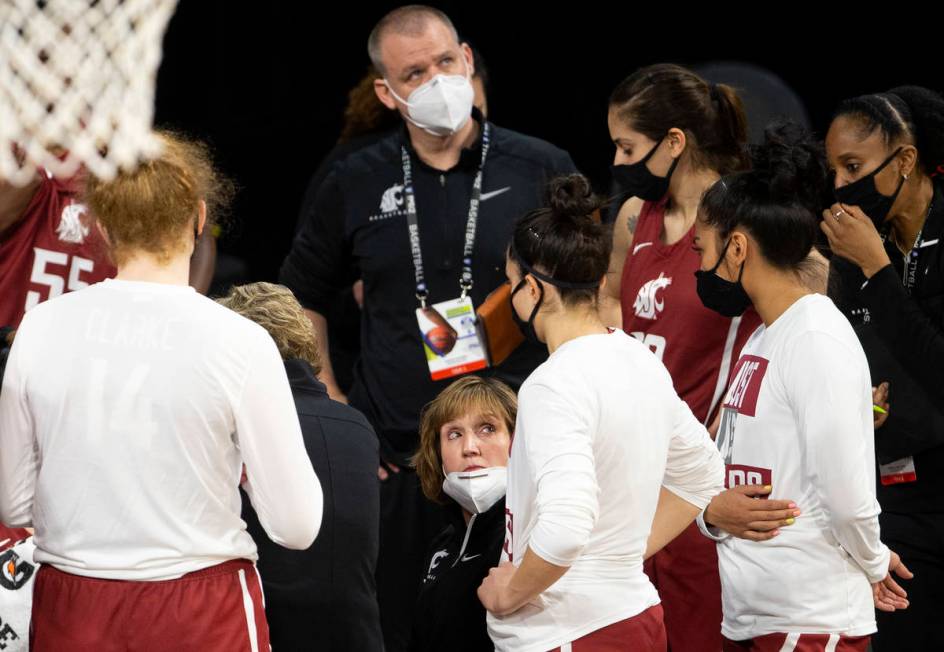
(71, 228)
(56, 283)
(656, 343)
(742, 382)
(648, 305)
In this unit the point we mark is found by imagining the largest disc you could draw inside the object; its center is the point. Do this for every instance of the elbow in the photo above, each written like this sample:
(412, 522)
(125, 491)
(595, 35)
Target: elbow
(16, 519)
(300, 533)
(562, 548)
(849, 518)
(706, 482)
(560, 541)
(301, 538)
(16, 513)
(300, 529)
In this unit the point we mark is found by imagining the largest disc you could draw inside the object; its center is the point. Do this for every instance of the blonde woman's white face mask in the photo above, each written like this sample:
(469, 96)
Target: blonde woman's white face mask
(477, 491)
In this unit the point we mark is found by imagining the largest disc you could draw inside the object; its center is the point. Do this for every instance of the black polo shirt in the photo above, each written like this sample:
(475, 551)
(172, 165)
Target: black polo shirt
(356, 227)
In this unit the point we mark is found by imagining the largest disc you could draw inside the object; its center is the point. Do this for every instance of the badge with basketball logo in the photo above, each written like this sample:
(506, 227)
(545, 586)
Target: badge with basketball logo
(450, 338)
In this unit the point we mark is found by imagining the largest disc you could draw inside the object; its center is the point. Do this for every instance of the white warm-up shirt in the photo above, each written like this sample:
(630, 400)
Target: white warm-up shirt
(599, 430)
(798, 416)
(127, 412)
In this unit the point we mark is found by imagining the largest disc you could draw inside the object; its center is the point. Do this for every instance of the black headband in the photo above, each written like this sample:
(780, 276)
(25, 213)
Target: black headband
(570, 285)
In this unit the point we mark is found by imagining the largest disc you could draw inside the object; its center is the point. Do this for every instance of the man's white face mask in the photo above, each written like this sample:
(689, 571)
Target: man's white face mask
(442, 105)
(477, 491)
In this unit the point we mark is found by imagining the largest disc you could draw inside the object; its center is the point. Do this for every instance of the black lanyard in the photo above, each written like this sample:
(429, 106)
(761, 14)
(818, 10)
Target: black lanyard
(413, 227)
(909, 272)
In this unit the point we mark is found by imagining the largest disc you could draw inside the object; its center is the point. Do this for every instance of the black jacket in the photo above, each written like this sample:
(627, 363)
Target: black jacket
(324, 598)
(357, 227)
(903, 338)
(448, 613)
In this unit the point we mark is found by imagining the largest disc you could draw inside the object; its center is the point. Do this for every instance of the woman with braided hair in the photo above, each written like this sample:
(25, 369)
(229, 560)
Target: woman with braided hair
(888, 278)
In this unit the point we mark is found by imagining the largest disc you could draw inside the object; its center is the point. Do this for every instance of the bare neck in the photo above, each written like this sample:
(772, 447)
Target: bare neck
(684, 198)
(145, 267)
(907, 222)
(570, 323)
(14, 201)
(778, 291)
(442, 152)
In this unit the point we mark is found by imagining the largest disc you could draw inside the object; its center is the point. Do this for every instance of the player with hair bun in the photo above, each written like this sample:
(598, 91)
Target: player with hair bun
(796, 419)
(600, 429)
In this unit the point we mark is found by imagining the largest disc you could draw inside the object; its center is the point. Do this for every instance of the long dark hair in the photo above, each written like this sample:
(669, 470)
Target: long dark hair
(657, 98)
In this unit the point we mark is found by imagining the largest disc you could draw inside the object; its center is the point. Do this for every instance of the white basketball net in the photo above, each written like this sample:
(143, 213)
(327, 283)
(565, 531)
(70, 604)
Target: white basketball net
(77, 84)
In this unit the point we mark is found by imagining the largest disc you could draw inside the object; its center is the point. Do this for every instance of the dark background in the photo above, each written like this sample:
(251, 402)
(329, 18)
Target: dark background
(266, 83)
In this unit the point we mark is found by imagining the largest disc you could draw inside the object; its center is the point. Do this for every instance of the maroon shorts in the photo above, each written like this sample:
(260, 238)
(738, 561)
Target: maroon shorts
(685, 573)
(217, 609)
(799, 643)
(642, 633)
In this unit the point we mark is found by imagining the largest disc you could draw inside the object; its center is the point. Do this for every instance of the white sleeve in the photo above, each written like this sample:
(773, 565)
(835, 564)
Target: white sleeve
(18, 446)
(560, 450)
(716, 534)
(280, 480)
(832, 405)
(694, 470)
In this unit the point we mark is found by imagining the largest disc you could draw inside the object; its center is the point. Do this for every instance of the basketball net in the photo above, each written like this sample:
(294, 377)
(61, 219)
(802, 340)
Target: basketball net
(77, 85)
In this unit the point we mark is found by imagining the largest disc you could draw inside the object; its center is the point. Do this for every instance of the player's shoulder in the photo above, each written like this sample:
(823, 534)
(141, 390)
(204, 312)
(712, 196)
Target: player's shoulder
(224, 321)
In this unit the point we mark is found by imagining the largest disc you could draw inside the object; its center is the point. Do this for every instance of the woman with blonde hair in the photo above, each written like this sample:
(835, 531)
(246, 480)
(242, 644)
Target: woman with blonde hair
(128, 413)
(465, 440)
(336, 574)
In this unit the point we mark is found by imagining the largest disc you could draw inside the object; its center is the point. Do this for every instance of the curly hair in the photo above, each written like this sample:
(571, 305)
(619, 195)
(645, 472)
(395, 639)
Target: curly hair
(468, 394)
(364, 114)
(276, 309)
(154, 207)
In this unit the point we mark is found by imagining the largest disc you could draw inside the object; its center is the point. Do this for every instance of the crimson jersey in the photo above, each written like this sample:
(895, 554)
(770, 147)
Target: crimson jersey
(661, 307)
(53, 249)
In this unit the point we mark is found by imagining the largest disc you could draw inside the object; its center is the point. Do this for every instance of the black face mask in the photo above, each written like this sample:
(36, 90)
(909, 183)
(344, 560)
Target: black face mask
(527, 327)
(727, 298)
(636, 180)
(864, 194)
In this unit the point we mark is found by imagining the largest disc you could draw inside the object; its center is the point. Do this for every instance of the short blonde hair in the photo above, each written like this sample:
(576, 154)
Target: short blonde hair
(468, 394)
(155, 206)
(276, 309)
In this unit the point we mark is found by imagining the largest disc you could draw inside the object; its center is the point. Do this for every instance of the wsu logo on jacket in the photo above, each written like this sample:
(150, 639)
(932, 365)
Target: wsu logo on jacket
(392, 203)
(648, 304)
(392, 199)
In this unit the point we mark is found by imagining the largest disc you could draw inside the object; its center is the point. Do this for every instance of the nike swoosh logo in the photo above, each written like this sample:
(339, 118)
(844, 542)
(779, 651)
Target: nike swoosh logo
(640, 246)
(488, 195)
(468, 557)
